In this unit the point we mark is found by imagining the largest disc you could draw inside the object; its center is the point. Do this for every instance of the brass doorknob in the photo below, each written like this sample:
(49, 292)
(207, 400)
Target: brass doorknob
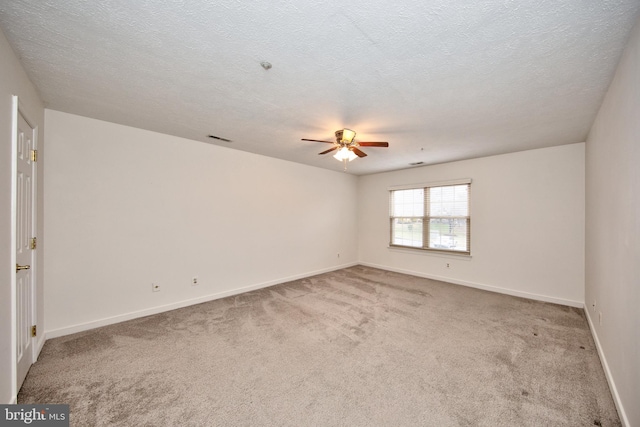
(22, 267)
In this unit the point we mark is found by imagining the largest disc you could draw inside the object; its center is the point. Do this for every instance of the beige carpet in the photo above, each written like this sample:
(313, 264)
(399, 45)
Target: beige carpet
(355, 347)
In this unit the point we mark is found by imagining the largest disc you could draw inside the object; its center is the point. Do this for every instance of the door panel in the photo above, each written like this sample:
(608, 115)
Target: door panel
(25, 256)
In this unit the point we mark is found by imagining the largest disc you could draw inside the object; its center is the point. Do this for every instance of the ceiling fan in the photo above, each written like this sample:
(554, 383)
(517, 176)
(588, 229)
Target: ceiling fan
(346, 146)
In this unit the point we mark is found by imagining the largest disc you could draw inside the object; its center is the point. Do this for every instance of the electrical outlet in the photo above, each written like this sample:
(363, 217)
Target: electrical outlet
(194, 281)
(448, 265)
(155, 287)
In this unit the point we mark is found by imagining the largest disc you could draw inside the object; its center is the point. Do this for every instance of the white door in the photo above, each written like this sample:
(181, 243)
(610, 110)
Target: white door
(25, 246)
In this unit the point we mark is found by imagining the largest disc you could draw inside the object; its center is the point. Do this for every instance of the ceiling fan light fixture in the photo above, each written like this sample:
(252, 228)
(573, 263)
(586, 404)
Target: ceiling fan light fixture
(345, 154)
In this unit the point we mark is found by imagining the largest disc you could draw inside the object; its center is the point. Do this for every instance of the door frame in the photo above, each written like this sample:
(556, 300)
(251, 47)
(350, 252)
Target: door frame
(16, 111)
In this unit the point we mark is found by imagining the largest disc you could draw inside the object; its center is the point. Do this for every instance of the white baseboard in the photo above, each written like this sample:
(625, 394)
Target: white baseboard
(39, 344)
(607, 371)
(506, 291)
(180, 304)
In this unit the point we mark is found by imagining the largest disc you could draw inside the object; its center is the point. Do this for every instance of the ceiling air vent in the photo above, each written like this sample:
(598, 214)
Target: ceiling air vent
(219, 138)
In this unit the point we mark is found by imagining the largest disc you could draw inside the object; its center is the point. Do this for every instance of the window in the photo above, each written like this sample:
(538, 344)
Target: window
(431, 216)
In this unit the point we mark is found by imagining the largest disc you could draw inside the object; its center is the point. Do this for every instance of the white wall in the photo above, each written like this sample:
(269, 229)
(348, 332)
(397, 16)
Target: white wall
(527, 224)
(14, 81)
(127, 208)
(613, 231)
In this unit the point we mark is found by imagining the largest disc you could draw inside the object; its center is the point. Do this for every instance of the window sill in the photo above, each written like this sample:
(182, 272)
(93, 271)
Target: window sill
(434, 252)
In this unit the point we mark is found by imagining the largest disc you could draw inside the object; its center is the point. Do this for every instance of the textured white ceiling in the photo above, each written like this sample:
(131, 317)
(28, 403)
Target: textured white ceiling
(439, 80)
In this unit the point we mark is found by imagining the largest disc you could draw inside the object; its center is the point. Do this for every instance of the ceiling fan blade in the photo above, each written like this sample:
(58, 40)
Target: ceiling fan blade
(329, 150)
(358, 152)
(317, 140)
(373, 144)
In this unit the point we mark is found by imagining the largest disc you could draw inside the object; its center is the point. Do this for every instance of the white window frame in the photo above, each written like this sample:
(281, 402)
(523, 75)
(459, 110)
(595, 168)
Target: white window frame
(427, 217)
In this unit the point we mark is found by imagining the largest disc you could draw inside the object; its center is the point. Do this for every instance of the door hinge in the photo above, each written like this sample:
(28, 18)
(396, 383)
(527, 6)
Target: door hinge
(34, 155)
(33, 331)
(34, 243)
